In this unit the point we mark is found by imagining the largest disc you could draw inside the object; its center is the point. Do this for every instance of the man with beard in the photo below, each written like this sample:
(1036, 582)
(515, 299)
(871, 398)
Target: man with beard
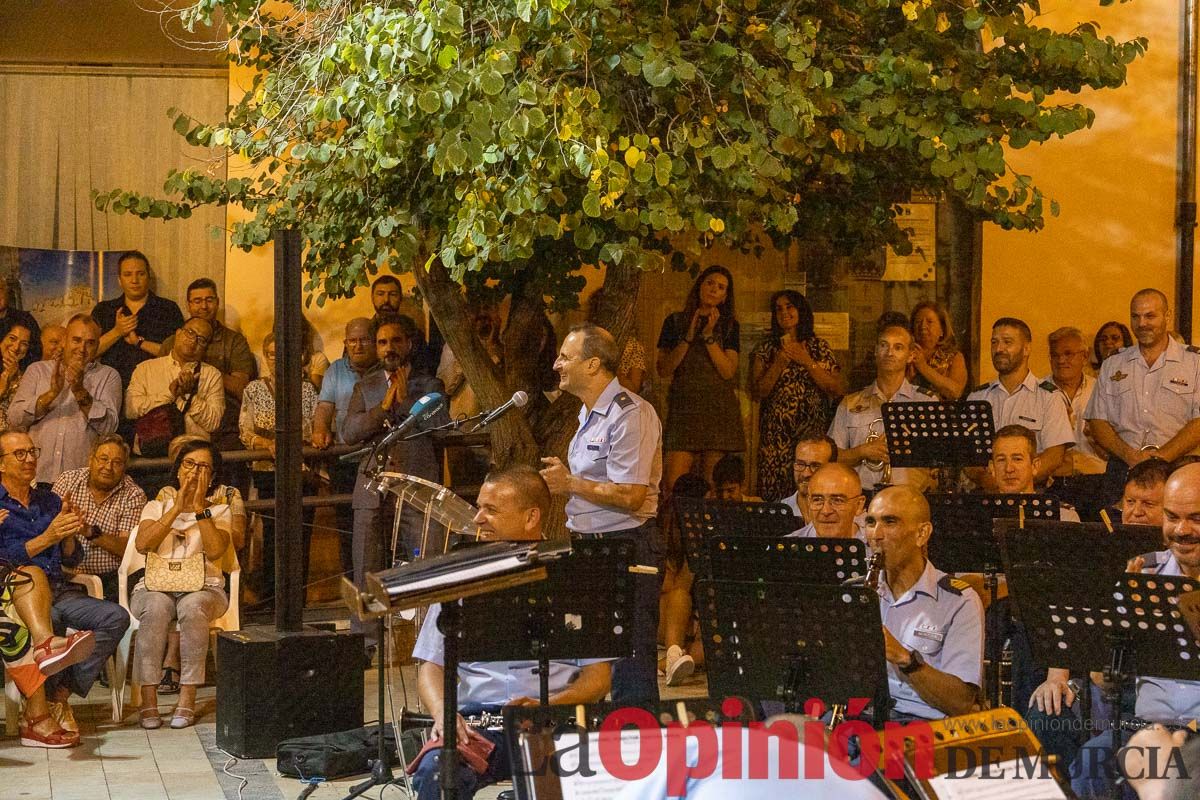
(382, 398)
(855, 422)
(387, 297)
(1168, 702)
(67, 404)
(807, 458)
(1147, 398)
(1017, 398)
(111, 505)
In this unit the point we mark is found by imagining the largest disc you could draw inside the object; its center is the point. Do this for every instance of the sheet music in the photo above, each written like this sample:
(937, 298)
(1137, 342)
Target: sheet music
(1006, 780)
(465, 575)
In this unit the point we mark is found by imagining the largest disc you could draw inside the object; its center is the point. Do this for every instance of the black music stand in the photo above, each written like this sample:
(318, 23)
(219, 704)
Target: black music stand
(783, 559)
(554, 618)
(1125, 628)
(698, 520)
(790, 641)
(957, 434)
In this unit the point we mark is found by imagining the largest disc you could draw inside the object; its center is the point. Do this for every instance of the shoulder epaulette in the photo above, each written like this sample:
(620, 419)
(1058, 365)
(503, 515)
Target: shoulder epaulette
(1191, 348)
(982, 387)
(953, 585)
(1048, 385)
(623, 400)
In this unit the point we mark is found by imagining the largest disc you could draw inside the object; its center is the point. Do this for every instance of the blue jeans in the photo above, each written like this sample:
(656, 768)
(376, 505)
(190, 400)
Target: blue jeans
(425, 779)
(72, 608)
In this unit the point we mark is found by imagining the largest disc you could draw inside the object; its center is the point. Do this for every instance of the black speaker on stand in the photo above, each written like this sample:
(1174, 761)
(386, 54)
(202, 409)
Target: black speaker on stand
(273, 686)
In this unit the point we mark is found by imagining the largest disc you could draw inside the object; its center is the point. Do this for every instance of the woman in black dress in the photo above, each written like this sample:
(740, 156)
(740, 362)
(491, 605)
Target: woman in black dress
(698, 352)
(793, 375)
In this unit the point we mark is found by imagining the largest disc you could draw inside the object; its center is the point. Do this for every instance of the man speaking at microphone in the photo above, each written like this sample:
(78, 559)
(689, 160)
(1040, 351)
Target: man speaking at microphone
(615, 467)
(380, 400)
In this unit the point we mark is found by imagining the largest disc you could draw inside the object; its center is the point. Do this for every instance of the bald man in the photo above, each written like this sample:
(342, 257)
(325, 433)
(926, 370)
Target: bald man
(1170, 702)
(932, 622)
(835, 499)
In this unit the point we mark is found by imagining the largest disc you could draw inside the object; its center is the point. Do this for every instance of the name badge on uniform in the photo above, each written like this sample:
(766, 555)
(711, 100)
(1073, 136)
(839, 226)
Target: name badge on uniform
(1027, 419)
(927, 633)
(595, 447)
(1179, 382)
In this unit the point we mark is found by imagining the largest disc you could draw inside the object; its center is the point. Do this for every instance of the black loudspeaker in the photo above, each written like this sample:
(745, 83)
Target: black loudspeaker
(273, 686)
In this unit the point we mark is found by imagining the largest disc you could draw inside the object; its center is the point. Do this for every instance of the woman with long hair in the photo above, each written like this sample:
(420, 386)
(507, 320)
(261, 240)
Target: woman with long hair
(1111, 337)
(698, 352)
(937, 363)
(793, 375)
(14, 345)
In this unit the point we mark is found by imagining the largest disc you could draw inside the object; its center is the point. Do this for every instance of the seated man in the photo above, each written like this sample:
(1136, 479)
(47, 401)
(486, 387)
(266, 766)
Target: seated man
(40, 529)
(110, 504)
(1169, 702)
(1015, 464)
(729, 480)
(1142, 498)
(809, 455)
(835, 499)
(512, 505)
(932, 622)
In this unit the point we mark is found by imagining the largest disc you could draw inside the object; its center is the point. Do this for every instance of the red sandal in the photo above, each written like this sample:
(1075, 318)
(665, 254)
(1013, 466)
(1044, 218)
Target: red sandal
(57, 740)
(75, 648)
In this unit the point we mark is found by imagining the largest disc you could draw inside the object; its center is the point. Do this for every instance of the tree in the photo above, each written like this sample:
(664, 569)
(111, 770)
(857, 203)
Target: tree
(508, 143)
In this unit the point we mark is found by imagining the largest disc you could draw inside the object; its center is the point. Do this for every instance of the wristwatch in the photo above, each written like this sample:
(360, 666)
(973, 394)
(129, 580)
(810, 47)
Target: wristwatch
(205, 514)
(915, 662)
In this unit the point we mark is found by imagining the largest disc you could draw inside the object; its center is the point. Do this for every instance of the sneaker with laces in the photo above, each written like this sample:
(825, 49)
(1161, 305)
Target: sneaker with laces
(680, 666)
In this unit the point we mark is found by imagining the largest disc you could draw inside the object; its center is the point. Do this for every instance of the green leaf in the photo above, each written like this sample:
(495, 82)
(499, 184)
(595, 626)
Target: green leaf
(657, 72)
(722, 157)
(973, 20)
(429, 102)
(591, 204)
(491, 82)
(662, 169)
(447, 56)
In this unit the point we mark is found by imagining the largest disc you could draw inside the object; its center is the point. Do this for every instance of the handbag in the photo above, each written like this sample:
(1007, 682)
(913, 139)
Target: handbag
(155, 429)
(174, 574)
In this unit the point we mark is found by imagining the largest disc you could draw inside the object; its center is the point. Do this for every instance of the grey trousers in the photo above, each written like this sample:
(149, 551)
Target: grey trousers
(156, 612)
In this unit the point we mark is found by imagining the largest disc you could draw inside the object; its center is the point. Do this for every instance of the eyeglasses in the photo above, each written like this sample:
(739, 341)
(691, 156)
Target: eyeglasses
(808, 466)
(836, 501)
(191, 463)
(24, 454)
(195, 337)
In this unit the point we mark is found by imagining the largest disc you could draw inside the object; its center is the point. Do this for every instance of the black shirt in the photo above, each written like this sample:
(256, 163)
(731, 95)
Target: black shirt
(158, 319)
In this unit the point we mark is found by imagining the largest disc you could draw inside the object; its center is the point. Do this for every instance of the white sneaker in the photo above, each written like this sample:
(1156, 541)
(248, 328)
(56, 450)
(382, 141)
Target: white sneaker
(679, 666)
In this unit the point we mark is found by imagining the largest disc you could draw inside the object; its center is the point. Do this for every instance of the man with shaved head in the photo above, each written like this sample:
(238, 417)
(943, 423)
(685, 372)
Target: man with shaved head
(1147, 398)
(932, 622)
(1169, 702)
(835, 498)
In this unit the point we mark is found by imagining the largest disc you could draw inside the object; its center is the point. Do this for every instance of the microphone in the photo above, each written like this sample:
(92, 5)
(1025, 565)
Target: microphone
(422, 411)
(518, 400)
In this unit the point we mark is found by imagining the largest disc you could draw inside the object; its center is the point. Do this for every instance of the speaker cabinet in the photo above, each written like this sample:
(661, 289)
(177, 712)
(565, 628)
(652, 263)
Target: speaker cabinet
(273, 686)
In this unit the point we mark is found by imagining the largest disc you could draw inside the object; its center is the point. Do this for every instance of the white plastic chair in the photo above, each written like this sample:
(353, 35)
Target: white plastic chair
(12, 695)
(133, 561)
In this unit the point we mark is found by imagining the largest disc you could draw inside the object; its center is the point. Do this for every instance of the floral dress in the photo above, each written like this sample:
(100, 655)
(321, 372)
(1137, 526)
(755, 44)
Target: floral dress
(796, 408)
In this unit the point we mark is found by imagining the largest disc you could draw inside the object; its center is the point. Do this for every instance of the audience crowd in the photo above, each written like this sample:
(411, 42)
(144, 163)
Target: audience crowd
(1103, 432)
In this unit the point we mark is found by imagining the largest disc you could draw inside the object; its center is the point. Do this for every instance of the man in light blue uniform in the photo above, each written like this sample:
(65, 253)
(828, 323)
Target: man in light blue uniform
(1147, 396)
(932, 622)
(1171, 702)
(329, 421)
(512, 505)
(1017, 398)
(835, 500)
(859, 415)
(615, 462)
(808, 457)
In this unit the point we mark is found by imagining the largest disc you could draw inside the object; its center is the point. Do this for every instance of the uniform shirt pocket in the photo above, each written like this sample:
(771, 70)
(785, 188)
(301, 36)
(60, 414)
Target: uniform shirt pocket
(1177, 396)
(928, 639)
(597, 451)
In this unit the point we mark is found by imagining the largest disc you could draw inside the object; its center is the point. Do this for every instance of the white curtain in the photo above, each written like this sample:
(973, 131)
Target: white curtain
(65, 131)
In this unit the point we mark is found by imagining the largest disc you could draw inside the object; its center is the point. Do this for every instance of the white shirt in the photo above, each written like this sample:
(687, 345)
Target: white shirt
(1040, 407)
(1083, 458)
(150, 387)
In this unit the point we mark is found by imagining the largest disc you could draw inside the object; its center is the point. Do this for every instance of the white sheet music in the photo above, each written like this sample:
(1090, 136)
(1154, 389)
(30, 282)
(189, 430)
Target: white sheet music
(1007, 780)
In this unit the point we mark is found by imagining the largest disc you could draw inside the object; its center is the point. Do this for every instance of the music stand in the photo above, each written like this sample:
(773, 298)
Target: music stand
(792, 641)
(553, 618)
(1123, 628)
(782, 559)
(956, 434)
(697, 520)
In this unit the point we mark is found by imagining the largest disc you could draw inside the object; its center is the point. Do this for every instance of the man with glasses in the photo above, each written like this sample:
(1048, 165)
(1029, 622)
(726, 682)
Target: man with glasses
(1078, 480)
(110, 504)
(835, 499)
(69, 403)
(329, 421)
(807, 458)
(180, 378)
(228, 351)
(39, 528)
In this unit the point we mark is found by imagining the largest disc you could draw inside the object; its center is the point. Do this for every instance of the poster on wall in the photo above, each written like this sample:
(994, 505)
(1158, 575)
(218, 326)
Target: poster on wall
(52, 285)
